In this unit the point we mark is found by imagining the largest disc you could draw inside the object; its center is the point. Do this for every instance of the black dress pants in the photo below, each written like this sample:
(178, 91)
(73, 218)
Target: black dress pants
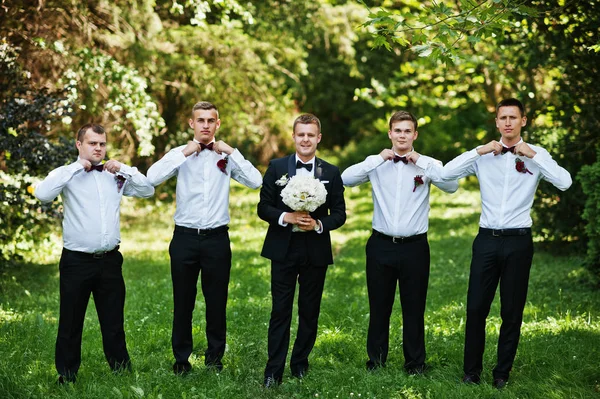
(311, 280)
(81, 275)
(504, 259)
(207, 254)
(389, 264)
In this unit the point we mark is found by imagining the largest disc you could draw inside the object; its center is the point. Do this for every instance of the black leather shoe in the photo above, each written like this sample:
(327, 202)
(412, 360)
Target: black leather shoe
(470, 379)
(62, 380)
(418, 370)
(300, 373)
(499, 383)
(271, 382)
(372, 366)
(182, 368)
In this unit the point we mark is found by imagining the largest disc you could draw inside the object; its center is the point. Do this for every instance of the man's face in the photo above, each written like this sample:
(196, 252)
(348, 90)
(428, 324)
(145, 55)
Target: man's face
(93, 147)
(205, 123)
(402, 134)
(510, 121)
(306, 137)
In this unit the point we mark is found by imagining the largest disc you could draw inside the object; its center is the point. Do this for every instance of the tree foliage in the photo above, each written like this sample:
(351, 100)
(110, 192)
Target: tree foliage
(138, 67)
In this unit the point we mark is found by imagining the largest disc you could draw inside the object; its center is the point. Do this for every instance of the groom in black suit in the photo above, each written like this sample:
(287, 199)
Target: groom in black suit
(298, 256)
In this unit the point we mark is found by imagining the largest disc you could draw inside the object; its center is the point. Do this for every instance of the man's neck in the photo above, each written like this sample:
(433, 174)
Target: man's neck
(403, 153)
(510, 143)
(305, 159)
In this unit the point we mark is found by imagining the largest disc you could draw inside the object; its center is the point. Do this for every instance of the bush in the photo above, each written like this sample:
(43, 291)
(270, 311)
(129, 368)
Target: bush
(589, 178)
(25, 155)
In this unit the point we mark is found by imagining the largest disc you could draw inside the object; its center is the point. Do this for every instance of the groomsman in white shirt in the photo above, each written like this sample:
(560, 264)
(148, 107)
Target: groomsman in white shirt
(508, 172)
(200, 244)
(398, 250)
(91, 262)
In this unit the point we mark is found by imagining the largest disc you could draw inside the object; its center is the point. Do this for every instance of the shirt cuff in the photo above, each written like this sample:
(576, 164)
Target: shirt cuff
(127, 170)
(422, 162)
(281, 222)
(320, 230)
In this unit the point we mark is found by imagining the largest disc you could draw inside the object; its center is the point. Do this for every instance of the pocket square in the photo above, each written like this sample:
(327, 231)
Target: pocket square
(324, 181)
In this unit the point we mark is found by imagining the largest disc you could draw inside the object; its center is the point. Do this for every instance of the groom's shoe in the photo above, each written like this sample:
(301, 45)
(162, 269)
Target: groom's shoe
(182, 368)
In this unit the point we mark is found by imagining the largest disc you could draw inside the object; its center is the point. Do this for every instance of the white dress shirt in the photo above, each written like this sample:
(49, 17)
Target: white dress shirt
(400, 209)
(304, 172)
(202, 189)
(92, 202)
(506, 194)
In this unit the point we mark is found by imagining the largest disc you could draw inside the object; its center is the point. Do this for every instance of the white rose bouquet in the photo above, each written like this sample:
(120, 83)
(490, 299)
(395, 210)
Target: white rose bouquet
(303, 194)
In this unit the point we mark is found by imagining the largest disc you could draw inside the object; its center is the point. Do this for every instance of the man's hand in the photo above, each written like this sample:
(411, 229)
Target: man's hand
(86, 164)
(112, 166)
(302, 219)
(190, 148)
(387, 154)
(222, 147)
(493, 146)
(413, 156)
(525, 150)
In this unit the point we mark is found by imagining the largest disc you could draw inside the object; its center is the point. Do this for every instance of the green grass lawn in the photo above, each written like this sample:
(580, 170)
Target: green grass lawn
(558, 357)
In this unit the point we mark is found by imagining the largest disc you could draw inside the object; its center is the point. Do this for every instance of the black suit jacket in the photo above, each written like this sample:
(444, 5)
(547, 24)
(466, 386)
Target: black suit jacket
(332, 213)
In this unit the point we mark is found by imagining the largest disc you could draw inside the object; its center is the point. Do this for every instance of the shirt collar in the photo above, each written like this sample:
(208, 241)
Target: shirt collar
(312, 161)
(504, 145)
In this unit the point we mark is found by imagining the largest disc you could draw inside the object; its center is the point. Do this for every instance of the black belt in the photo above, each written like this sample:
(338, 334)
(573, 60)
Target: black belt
(95, 255)
(400, 240)
(201, 232)
(505, 232)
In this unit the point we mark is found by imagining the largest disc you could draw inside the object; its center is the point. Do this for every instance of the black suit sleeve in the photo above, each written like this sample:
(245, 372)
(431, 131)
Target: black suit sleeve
(337, 205)
(267, 206)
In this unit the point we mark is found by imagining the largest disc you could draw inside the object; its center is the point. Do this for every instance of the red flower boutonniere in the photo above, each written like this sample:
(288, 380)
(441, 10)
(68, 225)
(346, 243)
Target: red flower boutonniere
(120, 181)
(520, 166)
(222, 164)
(418, 181)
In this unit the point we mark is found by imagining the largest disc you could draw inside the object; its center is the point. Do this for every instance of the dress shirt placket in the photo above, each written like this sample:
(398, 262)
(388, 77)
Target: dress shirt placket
(98, 176)
(398, 194)
(206, 203)
(508, 161)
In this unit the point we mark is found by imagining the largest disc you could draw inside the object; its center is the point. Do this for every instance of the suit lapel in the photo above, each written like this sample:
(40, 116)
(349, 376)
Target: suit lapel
(292, 166)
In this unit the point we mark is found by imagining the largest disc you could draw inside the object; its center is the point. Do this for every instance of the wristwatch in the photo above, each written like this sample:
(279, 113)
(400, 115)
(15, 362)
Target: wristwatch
(317, 226)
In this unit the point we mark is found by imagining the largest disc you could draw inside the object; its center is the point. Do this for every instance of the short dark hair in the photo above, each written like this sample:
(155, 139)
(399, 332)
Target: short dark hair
(205, 105)
(307, 119)
(511, 102)
(403, 116)
(95, 128)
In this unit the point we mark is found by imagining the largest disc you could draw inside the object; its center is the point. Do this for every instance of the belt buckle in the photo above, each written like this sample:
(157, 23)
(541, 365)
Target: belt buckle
(98, 255)
(494, 233)
(400, 240)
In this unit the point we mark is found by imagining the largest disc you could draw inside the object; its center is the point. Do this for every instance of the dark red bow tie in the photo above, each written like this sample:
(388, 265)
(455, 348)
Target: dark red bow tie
(398, 158)
(508, 149)
(208, 146)
(99, 167)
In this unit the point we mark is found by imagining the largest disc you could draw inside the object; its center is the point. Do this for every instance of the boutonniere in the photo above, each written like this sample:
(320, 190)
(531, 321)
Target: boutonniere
(282, 181)
(520, 166)
(120, 181)
(418, 181)
(222, 164)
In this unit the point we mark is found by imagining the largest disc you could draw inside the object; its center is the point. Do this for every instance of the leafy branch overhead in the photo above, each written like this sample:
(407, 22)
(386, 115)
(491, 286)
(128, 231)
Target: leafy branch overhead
(433, 29)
